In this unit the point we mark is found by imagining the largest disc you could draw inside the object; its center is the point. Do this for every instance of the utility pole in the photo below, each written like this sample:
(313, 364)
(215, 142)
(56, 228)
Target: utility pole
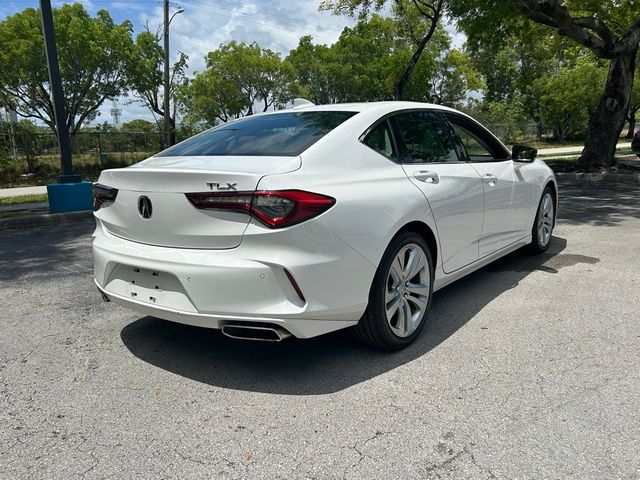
(57, 94)
(167, 87)
(165, 108)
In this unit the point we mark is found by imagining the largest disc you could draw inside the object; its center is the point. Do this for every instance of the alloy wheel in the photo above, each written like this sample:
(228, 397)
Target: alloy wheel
(545, 220)
(407, 290)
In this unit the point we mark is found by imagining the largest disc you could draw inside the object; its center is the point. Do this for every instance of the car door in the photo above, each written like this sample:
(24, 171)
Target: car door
(507, 191)
(452, 187)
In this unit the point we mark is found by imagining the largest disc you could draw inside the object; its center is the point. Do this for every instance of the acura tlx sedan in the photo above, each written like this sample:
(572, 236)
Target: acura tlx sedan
(318, 218)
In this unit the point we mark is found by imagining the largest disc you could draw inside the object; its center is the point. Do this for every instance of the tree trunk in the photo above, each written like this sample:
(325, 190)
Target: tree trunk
(558, 132)
(406, 75)
(606, 123)
(632, 123)
(172, 130)
(539, 130)
(632, 127)
(402, 82)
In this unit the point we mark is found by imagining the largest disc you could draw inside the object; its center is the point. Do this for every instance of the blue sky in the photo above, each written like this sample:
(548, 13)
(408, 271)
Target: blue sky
(205, 24)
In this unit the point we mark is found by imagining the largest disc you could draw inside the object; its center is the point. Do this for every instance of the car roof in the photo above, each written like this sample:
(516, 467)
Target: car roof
(379, 107)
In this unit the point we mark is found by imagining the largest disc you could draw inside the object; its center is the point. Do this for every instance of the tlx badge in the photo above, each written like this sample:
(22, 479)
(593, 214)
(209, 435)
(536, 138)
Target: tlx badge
(219, 186)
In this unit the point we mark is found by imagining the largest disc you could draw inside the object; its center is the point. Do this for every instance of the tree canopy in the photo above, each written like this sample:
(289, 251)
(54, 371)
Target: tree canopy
(609, 29)
(419, 19)
(144, 70)
(92, 54)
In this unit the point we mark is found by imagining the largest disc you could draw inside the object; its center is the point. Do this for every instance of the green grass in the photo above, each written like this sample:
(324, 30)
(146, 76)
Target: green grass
(542, 144)
(46, 168)
(34, 198)
(90, 159)
(14, 214)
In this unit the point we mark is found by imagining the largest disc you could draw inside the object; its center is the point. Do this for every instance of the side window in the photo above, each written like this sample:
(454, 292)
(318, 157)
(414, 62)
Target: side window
(478, 150)
(423, 138)
(380, 140)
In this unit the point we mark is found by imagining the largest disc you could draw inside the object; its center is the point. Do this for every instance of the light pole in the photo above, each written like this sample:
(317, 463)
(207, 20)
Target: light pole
(165, 108)
(57, 94)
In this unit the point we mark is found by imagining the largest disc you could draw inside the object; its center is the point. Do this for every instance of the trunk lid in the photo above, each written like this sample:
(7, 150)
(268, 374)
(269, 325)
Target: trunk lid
(174, 221)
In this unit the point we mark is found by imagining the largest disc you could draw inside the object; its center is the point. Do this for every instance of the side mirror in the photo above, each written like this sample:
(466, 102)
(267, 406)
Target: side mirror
(523, 153)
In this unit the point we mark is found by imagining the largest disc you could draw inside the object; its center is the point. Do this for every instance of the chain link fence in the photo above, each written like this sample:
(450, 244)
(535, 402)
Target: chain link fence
(520, 133)
(29, 156)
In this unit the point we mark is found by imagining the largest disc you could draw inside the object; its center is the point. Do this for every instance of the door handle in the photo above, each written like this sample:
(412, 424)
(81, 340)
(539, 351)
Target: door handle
(490, 179)
(426, 176)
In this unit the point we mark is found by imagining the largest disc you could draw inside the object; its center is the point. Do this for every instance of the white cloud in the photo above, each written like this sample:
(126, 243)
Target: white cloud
(204, 25)
(276, 25)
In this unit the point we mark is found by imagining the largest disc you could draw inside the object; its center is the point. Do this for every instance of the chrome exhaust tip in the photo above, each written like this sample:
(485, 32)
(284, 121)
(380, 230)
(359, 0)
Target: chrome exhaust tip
(267, 333)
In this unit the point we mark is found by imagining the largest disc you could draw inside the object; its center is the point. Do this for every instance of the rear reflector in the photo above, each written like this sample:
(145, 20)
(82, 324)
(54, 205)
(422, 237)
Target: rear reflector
(275, 209)
(103, 196)
(294, 284)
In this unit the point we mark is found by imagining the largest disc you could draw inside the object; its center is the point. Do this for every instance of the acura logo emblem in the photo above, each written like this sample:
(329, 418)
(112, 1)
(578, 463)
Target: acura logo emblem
(144, 207)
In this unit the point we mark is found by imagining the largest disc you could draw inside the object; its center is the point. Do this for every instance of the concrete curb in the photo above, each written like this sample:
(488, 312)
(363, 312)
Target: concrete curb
(604, 177)
(25, 206)
(47, 219)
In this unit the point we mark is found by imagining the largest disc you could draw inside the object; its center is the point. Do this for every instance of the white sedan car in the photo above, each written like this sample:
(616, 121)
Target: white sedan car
(309, 220)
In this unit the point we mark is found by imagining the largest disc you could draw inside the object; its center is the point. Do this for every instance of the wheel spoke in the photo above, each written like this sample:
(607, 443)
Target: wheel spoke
(418, 289)
(408, 321)
(409, 266)
(392, 306)
(402, 318)
(391, 295)
(418, 264)
(419, 302)
(396, 271)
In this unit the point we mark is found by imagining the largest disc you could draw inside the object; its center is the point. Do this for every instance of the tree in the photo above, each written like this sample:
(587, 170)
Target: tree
(512, 65)
(420, 18)
(568, 97)
(608, 28)
(140, 134)
(634, 107)
(454, 78)
(145, 66)
(369, 58)
(139, 125)
(92, 53)
(506, 119)
(209, 99)
(239, 77)
(260, 73)
(317, 71)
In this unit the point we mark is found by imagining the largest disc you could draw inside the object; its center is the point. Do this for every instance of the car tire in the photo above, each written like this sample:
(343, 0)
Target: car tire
(409, 292)
(542, 229)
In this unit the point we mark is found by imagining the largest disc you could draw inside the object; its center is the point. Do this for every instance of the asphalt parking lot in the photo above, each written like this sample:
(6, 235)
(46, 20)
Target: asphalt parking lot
(528, 369)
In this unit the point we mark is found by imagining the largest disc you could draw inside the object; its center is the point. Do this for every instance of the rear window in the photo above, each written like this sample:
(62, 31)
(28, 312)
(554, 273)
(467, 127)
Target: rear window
(283, 134)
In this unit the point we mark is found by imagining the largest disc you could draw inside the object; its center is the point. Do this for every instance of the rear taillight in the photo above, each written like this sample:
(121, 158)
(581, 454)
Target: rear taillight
(275, 209)
(103, 196)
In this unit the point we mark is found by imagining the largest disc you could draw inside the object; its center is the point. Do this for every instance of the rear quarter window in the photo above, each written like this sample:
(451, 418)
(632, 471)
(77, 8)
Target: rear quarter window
(282, 134)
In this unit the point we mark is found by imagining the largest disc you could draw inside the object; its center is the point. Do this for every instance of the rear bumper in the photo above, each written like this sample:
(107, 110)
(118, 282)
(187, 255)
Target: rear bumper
(300, 328)
(209, 288)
